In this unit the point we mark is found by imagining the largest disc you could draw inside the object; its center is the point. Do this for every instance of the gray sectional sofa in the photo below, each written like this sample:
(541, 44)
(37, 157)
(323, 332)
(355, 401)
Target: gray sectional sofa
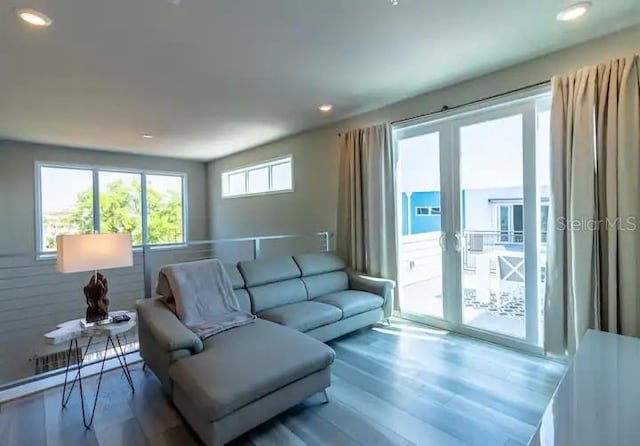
(314, 294)
(235, 380)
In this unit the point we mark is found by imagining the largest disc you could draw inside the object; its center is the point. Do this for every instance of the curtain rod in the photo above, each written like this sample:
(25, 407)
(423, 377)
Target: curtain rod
(477, 101)
(466, 104)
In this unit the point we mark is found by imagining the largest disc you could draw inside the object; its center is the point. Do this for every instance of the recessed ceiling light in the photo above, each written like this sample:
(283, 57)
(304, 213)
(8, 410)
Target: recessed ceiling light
(33, 17)
(325, 108)
(394, 2)
(574, 11)
(147, 136)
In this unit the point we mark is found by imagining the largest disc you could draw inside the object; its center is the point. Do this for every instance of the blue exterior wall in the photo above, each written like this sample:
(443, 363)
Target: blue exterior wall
(424, 223)
(420, 224)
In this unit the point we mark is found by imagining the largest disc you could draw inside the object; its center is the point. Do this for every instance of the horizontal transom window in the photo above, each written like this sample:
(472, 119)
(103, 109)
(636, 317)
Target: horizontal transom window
(271, 177)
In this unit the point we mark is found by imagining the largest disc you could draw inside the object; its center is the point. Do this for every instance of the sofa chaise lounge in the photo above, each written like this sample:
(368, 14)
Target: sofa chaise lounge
(237, 379)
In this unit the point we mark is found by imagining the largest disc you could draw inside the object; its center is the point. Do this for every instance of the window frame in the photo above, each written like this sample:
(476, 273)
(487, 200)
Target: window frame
(529, 101)
(510, 206)
(419, 210)
(95, 171)
(431, 211)
(270, 164)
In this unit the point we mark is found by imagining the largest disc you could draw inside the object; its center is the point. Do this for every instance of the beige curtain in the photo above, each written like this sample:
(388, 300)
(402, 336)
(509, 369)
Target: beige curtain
(366, 235)
(592, 258)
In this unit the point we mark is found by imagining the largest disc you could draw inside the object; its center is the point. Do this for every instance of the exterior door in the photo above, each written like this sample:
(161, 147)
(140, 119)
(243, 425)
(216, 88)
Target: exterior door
(473, 204)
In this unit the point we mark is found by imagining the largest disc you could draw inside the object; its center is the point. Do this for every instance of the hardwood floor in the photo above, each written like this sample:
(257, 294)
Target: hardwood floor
(400, 385)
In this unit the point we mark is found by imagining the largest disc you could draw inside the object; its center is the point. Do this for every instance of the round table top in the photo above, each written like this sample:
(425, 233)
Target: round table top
(73, 329)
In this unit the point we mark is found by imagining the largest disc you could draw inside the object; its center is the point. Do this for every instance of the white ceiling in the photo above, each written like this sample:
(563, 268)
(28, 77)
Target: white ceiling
(213, 77)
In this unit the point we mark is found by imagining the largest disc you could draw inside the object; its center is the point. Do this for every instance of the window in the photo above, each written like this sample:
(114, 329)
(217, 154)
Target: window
(270, 177)
(510, 222)
(120, 201)
(424, 211)
(259, 180)
(66, 197)
(165, 209)
(75, 200)
(544, 222)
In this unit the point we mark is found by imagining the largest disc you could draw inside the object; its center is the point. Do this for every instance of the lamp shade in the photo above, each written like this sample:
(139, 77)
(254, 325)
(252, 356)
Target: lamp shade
(93, 252)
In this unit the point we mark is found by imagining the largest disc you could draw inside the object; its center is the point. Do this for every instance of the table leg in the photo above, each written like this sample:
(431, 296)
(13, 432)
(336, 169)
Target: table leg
(73, 343)
(120, 354)
(87, 425)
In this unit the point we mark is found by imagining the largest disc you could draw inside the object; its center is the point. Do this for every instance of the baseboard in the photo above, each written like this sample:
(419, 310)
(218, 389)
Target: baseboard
(35, 384)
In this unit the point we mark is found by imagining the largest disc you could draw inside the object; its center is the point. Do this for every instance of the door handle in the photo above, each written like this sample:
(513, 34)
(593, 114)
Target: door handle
(442, 241)
(458, 244)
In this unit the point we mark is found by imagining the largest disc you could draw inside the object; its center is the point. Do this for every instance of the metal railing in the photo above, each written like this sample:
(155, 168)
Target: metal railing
(230, 250)
(35, 298)
(481, 242)
(421, 254)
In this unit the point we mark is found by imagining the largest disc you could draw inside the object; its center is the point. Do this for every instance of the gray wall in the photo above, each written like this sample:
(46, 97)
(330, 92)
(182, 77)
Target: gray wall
(17, 187)
(309, 208)
(313, 204)
(33, 297)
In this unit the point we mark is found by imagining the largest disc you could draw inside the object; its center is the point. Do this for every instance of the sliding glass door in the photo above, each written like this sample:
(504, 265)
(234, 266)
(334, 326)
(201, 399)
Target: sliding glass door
(421, 210)
(472, 206)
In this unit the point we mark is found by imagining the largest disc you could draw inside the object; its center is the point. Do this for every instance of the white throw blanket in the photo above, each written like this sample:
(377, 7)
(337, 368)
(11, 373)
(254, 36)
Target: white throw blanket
(203, 295)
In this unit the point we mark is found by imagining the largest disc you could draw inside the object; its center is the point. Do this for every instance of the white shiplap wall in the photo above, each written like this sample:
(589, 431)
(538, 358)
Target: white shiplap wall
(34, 299)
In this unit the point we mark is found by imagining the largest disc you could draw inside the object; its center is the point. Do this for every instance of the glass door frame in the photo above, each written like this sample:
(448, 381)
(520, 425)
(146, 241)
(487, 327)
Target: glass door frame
(526, 109)
(446, 205)
(448, 124)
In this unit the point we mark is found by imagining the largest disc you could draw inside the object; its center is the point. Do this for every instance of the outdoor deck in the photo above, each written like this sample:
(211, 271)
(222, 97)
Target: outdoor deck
(424, 298)
(489, 303)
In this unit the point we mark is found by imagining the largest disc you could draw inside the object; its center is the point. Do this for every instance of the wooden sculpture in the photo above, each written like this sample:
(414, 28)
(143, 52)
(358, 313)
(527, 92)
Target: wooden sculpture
(97, 302)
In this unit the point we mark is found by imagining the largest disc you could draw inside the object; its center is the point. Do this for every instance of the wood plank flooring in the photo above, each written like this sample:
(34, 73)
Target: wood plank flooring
(401, 385)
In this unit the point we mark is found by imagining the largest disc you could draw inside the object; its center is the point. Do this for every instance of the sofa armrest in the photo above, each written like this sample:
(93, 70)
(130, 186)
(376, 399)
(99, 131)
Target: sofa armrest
(165, 328)
(382, 287)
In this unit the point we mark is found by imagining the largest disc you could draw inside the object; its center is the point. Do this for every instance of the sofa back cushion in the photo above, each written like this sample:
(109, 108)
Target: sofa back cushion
(243, 299)
(265, 297)
(272, 282)
(322, 273)
(237, 282)
(318, 263)
(264, 271)
(326, 283)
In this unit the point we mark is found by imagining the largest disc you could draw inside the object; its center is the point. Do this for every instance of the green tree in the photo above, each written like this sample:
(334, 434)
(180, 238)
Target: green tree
(164, 216)
(121, 211)
(80, 220)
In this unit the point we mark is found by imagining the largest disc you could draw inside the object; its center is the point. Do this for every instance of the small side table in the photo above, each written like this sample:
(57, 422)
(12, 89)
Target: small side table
(71, 331)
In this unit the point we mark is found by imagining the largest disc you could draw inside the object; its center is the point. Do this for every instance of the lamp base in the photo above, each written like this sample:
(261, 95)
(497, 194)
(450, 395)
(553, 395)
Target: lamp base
(95, 293)
(86, 324)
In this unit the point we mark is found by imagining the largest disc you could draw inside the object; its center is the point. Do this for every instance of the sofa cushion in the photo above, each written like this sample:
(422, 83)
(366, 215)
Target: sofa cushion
(237, 281)
(243, 299)
(352, 302)
(241, 365)
(275, 294)
(303, 316)
(263, 271)
(326, 283)
(318, 263)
